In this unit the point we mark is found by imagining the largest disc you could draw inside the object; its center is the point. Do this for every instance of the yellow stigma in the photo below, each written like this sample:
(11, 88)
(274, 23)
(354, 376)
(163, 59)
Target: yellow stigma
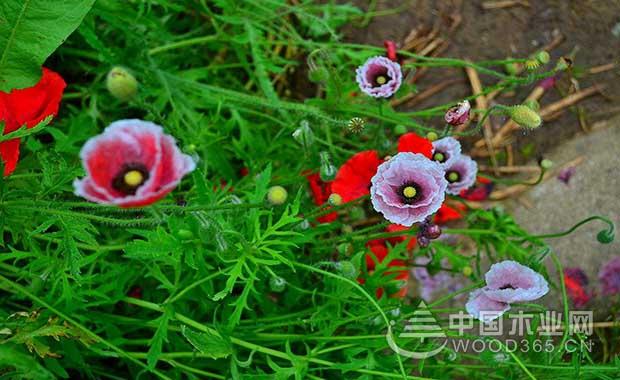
(439, 157)
(381, 79)
(133, 178)
(409, 192)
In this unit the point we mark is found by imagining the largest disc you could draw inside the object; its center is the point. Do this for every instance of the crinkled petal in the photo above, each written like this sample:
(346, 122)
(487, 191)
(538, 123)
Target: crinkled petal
(413, 143)
(509, 281)
(373, 67)
(484, 308)
(449, 147)
(353, 178)
(467, 169)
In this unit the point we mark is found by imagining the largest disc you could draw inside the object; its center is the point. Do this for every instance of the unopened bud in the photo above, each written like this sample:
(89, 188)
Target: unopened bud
(328, 170)
(433, 231)
(423, 241)
(277, 284)
(318, 74)
(400, 130)
(184, 234)
(277, 195)
(532, 104)
(347, 269)
(467, 271)
(121, 84)
(511, 68)
(458, 114)
(304, 135)
(543, 57)
(605, 236)
(563, 64)
(546, 164)
(432, 136)
(525, 116)
(345, 249)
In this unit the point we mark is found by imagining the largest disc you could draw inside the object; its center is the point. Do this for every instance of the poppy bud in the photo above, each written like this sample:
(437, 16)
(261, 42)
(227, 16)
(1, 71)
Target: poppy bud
(532, 104)
(458, 114)
(345, 249)
(467, 271)
(121, 84)
(546, 163)
(328, 171)
(277, 284)
(605, 236)
(400, 130)
(335, 199)
(356, 125)
(433, 231)
(432, 136)
(304, 135)
(347, 229)
(347, 269)
(423, 241)
(525, 116)
(511, 68)
(318, 74)
(184, 234)
(563, 64)
(277, 195)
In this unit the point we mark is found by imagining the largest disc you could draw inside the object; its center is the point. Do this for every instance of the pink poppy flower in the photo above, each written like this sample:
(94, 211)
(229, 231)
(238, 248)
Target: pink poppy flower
(408, 188)
(482, 307)
(379, 77)
(458, 114)
(509, 281)
(460, 173)
(446, 150)
(132, 163)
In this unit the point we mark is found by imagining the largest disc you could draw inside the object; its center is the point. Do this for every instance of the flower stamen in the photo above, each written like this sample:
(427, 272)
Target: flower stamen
(453, 176)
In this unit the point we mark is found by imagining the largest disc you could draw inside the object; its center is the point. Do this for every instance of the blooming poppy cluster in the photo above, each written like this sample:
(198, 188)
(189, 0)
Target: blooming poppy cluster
(507, 282)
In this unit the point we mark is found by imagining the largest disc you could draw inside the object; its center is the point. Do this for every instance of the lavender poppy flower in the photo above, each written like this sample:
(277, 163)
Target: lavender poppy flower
(446, 150)
(609, 276)
(458, 114)
(429, 285)
(482, 307)
(460, 173)
(408, 188)
(509, 281)
(379, 77)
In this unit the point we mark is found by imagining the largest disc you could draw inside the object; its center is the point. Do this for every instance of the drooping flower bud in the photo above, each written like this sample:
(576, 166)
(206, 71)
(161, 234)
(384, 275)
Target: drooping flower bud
(277, 195)
(277, 284)
(347, 269)
(525, 116)
(458, 114)
(121, 84)
(423, 241)
(511, 68)
(432, 136)
(304, 135)
(605, 236)
(563, 64)
(546, 163)
(356, 125)
(432, 232)
(328, 170)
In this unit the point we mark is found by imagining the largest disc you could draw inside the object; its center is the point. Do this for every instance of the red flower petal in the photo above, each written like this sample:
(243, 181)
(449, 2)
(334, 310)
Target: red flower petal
(353, 179)
(398, 239)
(28, 106)
(320, 194)
(411, 142)
(390, 50)
(446, 214)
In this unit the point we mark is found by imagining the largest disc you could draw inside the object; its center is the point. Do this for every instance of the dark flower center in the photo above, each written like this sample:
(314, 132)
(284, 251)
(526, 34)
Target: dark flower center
(130, 178)
(409, 193)
(381, 78)
(439, 157)
(506, 286)
(453, 176)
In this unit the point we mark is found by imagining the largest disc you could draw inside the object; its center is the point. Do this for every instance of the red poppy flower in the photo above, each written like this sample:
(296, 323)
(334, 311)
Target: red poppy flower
(399, 239)
(132, 163)
(411, 142)
(320, 193)
(28, 106)
(391, 52)
(576, 281)
(447, 214)
(353, 178)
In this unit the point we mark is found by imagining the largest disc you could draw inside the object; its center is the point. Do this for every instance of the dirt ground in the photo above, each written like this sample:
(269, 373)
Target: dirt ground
(517, 31)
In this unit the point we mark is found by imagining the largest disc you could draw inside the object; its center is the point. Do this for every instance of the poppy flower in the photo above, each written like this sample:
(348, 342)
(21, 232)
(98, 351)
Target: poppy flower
(458, 114)
(28, 106)
(446, 214)
(460, 173)
(480, 192)
(576, 281)
(320, 194)
(446, 150)
(482, 307)
(132, 163)
(413, 143)
(411, 242)
(609, 276)
(353, 178)
(408, 188)
(391, 51)
(379, 77)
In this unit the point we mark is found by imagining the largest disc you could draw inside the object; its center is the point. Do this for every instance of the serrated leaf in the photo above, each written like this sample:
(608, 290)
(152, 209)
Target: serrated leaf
(209, 343)
(30, 31)
(158, 339)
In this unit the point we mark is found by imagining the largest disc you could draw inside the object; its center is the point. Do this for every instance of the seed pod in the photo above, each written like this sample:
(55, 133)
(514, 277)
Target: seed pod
(335, 199)
(356, 125)
(432, 136)
(121, 84)
(277, 195)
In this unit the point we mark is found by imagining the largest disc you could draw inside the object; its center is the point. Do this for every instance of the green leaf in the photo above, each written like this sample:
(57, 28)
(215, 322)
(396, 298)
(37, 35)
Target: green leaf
(210, 343)
(30, 31)
(158, 339)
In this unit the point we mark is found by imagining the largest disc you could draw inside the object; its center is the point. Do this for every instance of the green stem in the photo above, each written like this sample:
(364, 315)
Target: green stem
(609, 231)
(183, 44)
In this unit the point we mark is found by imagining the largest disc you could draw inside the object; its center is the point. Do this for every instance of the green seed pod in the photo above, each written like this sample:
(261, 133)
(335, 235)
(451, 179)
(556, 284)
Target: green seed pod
(335, 199)
(318, 75)
(277, 284)
(525, 116)
(400, 130)
(277, 195)
(121, 84)
(432, 136)
(347, 269)
(356, 125)
(543, 57)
